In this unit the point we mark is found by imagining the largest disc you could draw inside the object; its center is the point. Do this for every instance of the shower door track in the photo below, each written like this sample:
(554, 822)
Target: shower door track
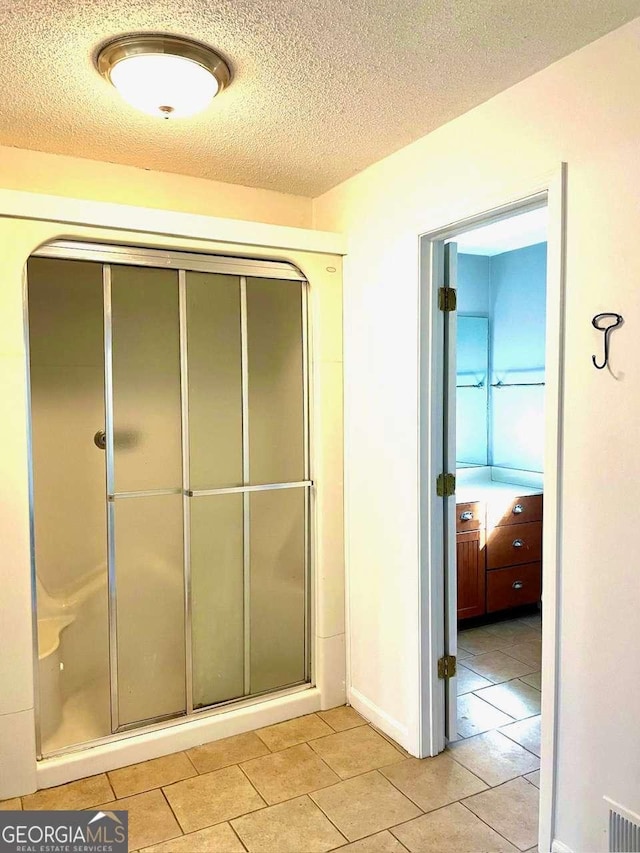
(181, 719)
(182, 262)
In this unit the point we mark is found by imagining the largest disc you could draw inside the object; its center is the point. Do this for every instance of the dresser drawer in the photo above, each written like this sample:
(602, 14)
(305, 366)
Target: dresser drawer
(511, 545)
(514, 586)
(469, 516)
(515, 511)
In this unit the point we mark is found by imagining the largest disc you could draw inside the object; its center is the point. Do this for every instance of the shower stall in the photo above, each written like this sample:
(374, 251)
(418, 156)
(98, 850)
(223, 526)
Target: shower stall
(171, 487)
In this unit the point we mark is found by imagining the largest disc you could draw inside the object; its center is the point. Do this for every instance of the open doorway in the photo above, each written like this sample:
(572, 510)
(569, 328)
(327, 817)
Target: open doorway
(491, 443)
(499, 415)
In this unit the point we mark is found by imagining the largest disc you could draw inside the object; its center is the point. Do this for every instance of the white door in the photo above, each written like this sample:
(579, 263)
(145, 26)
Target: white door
(449, 502)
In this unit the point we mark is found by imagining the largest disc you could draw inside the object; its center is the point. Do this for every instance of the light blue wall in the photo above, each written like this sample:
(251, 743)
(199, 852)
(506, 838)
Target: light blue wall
(518, 305)
(474, 283)
(474, 297)
(518, 300)
(511, 290)
(472, 360)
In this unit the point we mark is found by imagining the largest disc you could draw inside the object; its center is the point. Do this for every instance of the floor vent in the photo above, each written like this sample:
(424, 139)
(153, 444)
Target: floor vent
(624, 829)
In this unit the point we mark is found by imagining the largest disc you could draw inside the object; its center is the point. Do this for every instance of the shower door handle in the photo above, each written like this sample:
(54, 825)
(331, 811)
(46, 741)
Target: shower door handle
(100, 439)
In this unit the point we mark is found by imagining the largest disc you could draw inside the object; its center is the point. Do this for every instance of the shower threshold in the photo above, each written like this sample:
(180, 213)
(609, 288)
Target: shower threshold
(172, 721)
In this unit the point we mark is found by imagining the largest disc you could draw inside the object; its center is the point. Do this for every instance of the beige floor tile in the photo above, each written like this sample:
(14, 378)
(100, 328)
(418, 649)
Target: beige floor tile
(534, 778)
(381, 842)
(533, 621)
(228, 751)
(453, 829)
(498, 666)
(481, 640)
(493, 757)
(356, 751)
(393, 743)
(468, 680)
(289, 773)
(526, 733)
(92, 791)
(511, 809)
(514, 631)
(292, 732)
(150, 818)
(476, 716)
(212, 798)
(341, 719)
(529, 653)
(11, 805)
(364, 805)
(150, 774)
(462, 654)
(516, 699)
(214, 839)
(433, 782)
(288, 828)
(534, 679)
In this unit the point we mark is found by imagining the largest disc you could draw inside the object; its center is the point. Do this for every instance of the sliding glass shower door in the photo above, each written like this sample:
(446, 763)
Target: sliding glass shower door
(144, 487)
(247, 476)
(205, 441)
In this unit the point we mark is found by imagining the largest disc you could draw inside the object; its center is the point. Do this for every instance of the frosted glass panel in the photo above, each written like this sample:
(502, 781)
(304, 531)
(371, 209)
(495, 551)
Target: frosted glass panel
(67, 409)
(215, 380)
(277, 588)
(150, 607)
(472, 371)
(146, 378)
(276, 425)
(217, 594)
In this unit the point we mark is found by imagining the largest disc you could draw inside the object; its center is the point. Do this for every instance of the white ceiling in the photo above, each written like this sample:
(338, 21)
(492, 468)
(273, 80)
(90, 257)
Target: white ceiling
(322, 88)
(516, 232)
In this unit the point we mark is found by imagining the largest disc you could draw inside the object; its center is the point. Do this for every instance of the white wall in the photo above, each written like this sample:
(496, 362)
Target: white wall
(585, 110)
(75, 177)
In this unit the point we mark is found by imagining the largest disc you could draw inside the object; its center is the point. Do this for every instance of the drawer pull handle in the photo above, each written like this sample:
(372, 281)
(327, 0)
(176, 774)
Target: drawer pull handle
(518, 543)
(517, 584)
(518, 508)
(466, 516)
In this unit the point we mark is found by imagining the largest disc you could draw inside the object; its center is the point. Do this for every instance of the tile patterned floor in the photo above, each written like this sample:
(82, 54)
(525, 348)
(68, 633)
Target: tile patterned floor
(499, 679)
(499, 682)
(329, 781)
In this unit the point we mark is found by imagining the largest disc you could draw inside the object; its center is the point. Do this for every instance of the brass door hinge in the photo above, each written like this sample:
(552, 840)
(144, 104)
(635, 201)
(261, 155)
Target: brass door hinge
(447, 299)
(447, 666)
(445, 485)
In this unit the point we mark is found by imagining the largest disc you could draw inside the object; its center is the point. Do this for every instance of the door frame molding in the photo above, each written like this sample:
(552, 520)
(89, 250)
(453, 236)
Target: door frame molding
(551, 187)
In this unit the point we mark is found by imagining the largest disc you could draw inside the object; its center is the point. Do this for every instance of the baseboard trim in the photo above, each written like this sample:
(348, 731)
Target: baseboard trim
(559, 847)
(379, 718)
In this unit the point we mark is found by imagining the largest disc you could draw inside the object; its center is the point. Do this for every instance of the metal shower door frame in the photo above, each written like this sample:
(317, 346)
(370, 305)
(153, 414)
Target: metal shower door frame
(183, 262)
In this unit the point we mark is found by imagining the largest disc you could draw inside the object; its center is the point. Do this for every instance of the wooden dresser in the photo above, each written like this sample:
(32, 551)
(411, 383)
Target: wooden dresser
(499, 554)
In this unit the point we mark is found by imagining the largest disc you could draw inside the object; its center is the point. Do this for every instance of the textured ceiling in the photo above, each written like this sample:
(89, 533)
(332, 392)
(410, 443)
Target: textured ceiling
(322, 88)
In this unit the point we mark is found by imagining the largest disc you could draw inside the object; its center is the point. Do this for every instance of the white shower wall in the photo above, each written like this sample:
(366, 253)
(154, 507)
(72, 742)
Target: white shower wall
(67, 389)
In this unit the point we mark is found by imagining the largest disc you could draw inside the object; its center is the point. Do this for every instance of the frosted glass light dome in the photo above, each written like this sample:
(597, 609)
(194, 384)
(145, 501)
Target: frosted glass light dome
(164, 76)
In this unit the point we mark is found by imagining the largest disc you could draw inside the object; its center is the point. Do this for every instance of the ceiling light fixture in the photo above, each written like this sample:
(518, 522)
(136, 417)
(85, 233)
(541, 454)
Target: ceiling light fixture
(163, 75)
